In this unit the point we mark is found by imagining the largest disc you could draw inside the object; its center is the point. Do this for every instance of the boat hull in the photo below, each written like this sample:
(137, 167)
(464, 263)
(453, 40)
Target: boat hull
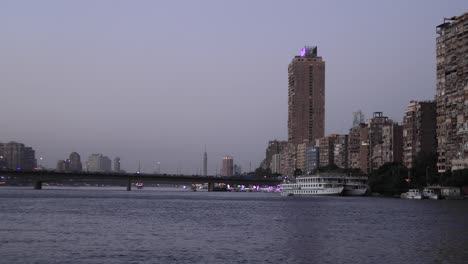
(415, 197)
(336, 191)
(355, 192)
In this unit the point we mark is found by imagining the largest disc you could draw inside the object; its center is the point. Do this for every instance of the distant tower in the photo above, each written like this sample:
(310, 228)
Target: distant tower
(75, 162)
(205, 164)
(228, 166)
(358, 118)
(117, 164)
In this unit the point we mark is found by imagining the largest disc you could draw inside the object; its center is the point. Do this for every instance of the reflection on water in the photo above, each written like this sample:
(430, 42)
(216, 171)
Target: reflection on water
(107, 225)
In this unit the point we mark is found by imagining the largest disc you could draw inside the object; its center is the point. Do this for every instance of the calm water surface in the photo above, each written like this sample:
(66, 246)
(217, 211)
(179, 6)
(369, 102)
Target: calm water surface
(146, 226)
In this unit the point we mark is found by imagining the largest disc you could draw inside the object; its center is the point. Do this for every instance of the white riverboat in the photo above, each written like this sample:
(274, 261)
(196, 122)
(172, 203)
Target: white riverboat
(412, 194)
(314, 185)
(356, 185)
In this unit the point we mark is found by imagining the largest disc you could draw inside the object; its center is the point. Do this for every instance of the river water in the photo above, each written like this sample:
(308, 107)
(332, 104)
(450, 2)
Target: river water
(109, 225)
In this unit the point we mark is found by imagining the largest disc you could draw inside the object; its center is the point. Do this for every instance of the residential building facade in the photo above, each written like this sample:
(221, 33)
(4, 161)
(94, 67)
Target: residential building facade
(452, 93)
(419, 131)
(312, 159)
(340, 151)
(327, 150)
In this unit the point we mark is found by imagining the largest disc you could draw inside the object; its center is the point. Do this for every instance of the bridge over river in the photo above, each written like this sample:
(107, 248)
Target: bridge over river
(43, 176)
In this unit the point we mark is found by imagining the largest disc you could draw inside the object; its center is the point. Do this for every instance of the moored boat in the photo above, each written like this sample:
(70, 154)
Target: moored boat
(412, 194)
(430, 194)
(355, 185)
(314, 185)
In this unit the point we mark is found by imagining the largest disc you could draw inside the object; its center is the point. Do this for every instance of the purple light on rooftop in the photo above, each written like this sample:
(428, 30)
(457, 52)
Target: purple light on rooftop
(303, 51)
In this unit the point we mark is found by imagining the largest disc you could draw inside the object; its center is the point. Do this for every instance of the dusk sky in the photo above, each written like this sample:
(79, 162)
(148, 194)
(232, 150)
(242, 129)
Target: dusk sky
(159, 80)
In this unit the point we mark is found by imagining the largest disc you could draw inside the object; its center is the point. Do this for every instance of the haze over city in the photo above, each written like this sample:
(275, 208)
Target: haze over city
(159, 81)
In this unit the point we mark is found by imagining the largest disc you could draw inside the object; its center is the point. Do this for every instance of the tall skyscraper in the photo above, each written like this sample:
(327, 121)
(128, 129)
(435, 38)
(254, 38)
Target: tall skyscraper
(117, 164)
(228, 166)
(306, 97)
(452, 93)
(205, 163)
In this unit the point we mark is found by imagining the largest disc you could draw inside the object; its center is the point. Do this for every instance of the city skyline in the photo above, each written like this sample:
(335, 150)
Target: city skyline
(115, 93)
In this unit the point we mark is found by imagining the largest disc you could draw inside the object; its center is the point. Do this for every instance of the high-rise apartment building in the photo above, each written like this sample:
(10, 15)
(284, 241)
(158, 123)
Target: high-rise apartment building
(340, 151)
(106, 164)
(75, 162)
(302, 156)
(419, 131)
(452, 93)
(72, 164)
(16, 156)
(99, 163)
(392, 143)
(274, 147)
(227, 168)
(284, 162)
(275, 164)
(306, 97)
(364, 152)
(312, 159)
(354, 146)
(291, 159)
(327, 150)
(375, 126)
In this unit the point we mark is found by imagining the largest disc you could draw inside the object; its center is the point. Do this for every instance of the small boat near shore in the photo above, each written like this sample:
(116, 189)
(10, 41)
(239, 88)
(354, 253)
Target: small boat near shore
(412, 194)
(430, 194)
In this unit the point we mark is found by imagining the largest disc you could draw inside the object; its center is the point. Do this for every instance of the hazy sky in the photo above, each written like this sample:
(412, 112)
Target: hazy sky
(159, 80)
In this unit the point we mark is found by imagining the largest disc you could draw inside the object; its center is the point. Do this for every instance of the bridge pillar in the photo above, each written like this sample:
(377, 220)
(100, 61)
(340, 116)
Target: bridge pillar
(129, 184)
(210, 186)
(38, 185)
